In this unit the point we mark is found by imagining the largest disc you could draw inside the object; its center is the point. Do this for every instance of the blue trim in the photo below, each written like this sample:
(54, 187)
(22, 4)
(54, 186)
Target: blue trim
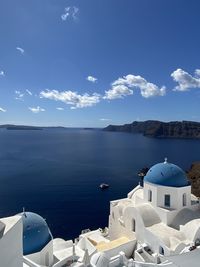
(166, 174)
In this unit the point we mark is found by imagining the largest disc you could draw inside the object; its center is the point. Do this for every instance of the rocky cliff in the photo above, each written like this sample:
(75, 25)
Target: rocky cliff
(159, 129)
(194, 176)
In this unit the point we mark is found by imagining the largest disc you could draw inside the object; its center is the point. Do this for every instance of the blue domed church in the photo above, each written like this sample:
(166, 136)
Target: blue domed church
(166, 186)
(159, 214)
(37, 239)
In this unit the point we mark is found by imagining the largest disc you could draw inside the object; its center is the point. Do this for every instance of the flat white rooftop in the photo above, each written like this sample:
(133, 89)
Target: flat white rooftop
(10, 222)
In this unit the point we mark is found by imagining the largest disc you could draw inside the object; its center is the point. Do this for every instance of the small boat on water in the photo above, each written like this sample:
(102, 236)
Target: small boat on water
(104, 186)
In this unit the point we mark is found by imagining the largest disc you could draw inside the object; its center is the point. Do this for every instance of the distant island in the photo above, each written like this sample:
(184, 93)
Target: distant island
(25, 127)
(19, 127)
(159, 129)
(29, 127)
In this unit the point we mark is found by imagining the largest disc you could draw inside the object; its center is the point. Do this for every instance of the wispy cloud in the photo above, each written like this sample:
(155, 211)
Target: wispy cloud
(91, 79)
(60, 108)
(29, 92)
(104, 119)
(124, 86)
(185, 80)
(21, 50)
(36, 109)
(2, 73)
(70, 12)
(72, 98)
(19, 95)
(2, 110)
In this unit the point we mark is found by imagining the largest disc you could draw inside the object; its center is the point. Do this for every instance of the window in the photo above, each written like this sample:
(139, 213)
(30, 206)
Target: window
(150, 196)
(161, 250)
(167, 200)
(184, 199)
(134, 225)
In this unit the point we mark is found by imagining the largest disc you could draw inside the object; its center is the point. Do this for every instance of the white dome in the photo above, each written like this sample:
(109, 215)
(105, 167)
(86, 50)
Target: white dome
(99, 260)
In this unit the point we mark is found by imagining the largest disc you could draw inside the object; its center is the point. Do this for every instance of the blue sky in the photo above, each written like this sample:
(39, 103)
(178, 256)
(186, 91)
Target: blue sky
(97, 62)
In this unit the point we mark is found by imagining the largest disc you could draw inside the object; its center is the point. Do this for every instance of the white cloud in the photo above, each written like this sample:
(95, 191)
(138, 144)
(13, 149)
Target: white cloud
(29, 92)
(70, 12)
(60, 108)
(124, 86)
(2, 110)
(197, 72)
(91, 79)
(72, 98)
(117, 91)
(21, 50)
(19, 95)
(185, 80)
(66, 14)
(104, 119)
(2, 73)
(36, 109)
(120, 88)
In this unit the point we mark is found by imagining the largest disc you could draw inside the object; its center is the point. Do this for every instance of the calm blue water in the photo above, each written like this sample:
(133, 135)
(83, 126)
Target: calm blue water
(57, 173)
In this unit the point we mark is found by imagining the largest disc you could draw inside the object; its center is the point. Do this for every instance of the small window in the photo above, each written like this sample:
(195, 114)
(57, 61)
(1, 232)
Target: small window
(184, 199)
(134, 225)
(161, 250)
(167, 200)
(150, 196)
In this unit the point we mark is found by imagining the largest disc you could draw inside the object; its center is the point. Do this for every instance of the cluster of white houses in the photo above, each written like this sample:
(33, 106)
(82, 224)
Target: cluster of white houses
(157, 224)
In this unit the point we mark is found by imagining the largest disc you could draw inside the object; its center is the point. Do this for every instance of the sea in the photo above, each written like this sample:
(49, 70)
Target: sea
(57, 172)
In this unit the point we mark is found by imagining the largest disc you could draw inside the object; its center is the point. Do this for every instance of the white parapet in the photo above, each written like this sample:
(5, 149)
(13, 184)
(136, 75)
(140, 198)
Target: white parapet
(11, 243)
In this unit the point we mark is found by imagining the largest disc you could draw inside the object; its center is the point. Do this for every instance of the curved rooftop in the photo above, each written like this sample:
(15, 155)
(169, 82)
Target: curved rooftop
(148, 214)
(184, 217)
(36, 233)
(166, 174)
(99, 260)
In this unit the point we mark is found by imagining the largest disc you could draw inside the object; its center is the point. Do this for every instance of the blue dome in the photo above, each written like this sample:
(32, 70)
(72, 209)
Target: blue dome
(36, 234)
(166, 174)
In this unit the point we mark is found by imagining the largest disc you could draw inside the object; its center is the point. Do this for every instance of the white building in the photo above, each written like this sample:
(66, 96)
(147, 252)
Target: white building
(158, 224)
